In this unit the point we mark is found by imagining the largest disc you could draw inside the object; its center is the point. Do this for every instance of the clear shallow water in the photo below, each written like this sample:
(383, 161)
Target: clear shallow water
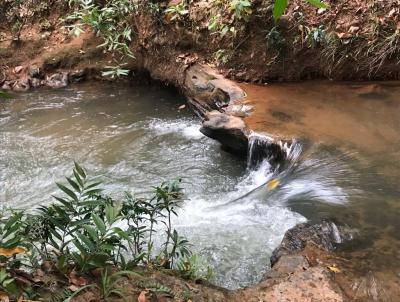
(135, 137)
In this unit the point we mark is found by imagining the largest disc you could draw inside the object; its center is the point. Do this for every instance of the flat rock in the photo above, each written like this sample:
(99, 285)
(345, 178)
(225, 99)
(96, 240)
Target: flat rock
(230, 131)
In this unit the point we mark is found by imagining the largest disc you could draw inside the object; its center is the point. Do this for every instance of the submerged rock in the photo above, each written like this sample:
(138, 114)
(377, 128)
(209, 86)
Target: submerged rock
(230, 131)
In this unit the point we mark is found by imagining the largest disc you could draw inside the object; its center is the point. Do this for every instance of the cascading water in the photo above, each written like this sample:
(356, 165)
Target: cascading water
(133, 138)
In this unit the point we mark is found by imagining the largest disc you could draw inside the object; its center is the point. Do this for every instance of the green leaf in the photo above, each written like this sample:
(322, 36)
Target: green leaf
(92, 185)
(65, 203)
(99, 259)
(88, 243)
(67, 191)
(78, 178)
(73, 184)
(80, 170)
(112, 212)
(99, 223)
(92, 192)
(318, 3)
(92, 232)
(279, 8)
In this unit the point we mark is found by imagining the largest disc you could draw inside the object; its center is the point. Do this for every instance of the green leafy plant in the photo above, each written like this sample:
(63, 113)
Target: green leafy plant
(86, 230)
(222, 56)
(178, 11)
(155, 288)
(109, 284)
(241, 8)
(8, 284)
(110, 21)
(281, 5)
(190, 267)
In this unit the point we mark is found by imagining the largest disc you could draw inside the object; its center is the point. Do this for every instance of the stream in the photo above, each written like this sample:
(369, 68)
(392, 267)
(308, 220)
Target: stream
(134, 138)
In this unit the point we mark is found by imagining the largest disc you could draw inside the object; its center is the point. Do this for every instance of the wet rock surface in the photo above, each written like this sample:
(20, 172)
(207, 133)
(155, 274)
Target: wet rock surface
(229, 130)
(57, 80)
(324, 236)
(22, 85)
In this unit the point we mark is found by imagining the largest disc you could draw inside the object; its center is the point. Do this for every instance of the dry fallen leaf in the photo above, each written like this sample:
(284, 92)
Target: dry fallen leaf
(11, 252)
(142, 296)
(334, 269)
(273, 184)
(4, 297)
(77, 280)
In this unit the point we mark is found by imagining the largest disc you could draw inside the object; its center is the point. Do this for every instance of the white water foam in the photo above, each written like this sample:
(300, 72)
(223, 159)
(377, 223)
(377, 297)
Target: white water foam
(188, 128)
(236, 240)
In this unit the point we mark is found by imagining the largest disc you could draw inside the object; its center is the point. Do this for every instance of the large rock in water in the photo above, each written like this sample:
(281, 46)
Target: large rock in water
(229, 130)
(324, 235)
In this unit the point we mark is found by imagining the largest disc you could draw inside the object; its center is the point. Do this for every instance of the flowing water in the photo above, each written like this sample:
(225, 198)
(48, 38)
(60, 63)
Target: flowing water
(135, 137)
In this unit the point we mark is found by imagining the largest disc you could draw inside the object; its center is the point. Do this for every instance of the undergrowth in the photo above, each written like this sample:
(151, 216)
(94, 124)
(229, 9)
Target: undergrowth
(86, 230)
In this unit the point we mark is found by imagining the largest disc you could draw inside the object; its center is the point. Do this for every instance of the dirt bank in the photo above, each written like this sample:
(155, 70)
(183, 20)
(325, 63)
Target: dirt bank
(350, 40)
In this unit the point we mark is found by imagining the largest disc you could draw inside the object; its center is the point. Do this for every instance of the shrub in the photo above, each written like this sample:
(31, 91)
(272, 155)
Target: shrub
(86, 229)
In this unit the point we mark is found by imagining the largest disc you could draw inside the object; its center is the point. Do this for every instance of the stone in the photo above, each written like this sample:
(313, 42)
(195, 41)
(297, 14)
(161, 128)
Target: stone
(36, 82)
(57, 80)
(7, 85)
(286, 265)
(324, 235)
(22, 85)
(77, 76)
(35, 72)
(18, 69)
(230, 131)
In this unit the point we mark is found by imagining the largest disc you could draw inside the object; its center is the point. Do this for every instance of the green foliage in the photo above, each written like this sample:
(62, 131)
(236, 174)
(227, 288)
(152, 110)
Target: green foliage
(7, 283)
(85, 229)
(279, 8)
(192, 268)
(178, 11)
(241, 8)
(317, 35)
(110, 21)
(281, 5)
(274, 39)
(109, 283)
(222, 56)
(222, 24)
(155, 288)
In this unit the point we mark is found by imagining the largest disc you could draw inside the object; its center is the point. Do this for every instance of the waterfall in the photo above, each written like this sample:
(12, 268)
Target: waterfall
(278, 153)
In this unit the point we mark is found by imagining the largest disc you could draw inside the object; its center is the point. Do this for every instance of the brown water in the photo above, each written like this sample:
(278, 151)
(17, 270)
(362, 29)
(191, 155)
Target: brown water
(353, 130)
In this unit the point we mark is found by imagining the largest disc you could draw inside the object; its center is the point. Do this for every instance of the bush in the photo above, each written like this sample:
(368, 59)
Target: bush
(86, 229)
